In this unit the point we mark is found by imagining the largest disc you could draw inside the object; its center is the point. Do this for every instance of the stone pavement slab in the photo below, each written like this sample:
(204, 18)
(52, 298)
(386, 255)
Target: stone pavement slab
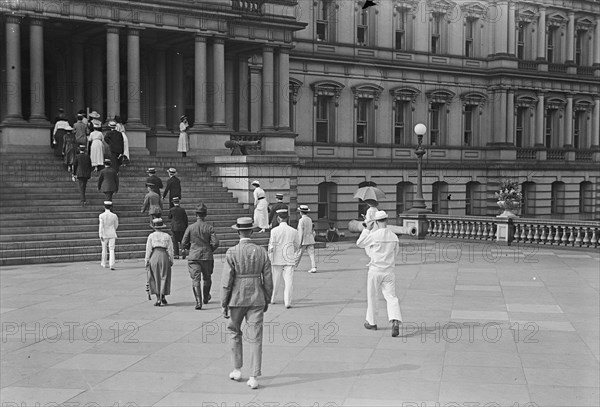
(482, 324)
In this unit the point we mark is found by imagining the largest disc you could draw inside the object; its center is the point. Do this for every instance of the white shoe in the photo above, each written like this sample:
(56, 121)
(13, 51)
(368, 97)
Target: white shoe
(252, 383)
(235, 375)
(312, 270)
(102, 265)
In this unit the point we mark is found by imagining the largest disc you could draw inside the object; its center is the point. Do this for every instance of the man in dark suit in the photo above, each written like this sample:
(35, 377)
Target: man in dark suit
(108, 181)
(179, 223)
(82, 169)
(173, 186)
(114, 139)
(273, 221)
(201, 241)
(154, 180)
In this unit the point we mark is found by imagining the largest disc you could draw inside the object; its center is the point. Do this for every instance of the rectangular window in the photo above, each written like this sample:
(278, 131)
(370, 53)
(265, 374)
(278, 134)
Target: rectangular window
(521, 40)
(437, 118)
(469, 37)
(468, 118)
(362, 30)
(400, 37)
(323, 118)
(549, 128)
(362, 121)
(578, 47)
(326, 21)
(550, 47)
(579, 129)
(521, 111)
(400, 122)
(436, 24)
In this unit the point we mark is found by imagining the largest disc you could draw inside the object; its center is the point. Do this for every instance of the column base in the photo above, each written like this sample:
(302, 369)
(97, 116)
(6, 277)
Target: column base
(17, 133)
(416, 218)
(209, 142)
(136, 135)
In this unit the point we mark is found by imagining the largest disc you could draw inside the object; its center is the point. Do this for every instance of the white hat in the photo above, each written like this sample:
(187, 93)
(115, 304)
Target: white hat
(255, 182)
(107, 203)
(380, 215)
(303, 208)
(112, 124)
(245, 223)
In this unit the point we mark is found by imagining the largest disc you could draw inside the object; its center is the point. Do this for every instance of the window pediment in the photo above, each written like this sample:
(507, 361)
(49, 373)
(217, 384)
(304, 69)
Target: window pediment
(526, 101)
(583, 105)
(440, 6)
(327, 88)
(555, 103)
(584, 24)
(404, 5)
(405, 93)
(440, 96)
(473, 10)
(556, 20)
(527, 16)
(367, 91)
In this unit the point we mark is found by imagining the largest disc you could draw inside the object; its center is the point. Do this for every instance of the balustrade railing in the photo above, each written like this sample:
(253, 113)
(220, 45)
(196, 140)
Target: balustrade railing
(555, 154)
(556, 232)
(526, 154)
(249, 6)
(557, 68)
(549, 232)
(586, 70)
(528, 65)
(584, 155)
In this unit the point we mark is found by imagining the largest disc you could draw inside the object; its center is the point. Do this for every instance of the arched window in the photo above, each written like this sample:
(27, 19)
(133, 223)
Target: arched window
(439, 198)
(362, 207)
(405, 195)
(557, 198)
(528, 204)
(327, 201)
(586, 201)
(473, 198)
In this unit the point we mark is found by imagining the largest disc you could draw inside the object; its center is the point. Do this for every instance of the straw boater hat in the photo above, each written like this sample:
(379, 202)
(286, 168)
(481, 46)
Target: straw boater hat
(182, 117)
(112, 124)
(282, 213)
(149, 184)
(107, 203)
(201, 209)
(158, 223)
(245, 223)
(172, 171)
(175, 200)
(95, 115)
(279, 196)
(107, 161)
(82, 147)
(151, 170)
(380, 215)
(97, 124)
(255, 182)
(303, 208)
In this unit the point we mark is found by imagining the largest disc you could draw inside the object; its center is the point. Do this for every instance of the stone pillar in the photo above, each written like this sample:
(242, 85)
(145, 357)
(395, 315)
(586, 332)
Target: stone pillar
(597, 43)
(595, 139)
(95, 82)
(13, 69)
(541, 34)
(219, 82)
(229, 95)
(501, 46)
(200, 82)
(79, 78)
(178, 98)
(539, 121)
(244, 95)
(36, 54)
(510, 117)
(113, 84)
(133, 77)
(267, 88)
(568, 139)
(161, 90)
(283, 94)
(255, 97)
(500, 117)
(511, 29)
(571, 38)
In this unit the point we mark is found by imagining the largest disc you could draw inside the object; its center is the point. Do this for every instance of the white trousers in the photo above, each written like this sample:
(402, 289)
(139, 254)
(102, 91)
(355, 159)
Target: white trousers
(111, 248)
(287, 272)
(386, 282)
(311, 253)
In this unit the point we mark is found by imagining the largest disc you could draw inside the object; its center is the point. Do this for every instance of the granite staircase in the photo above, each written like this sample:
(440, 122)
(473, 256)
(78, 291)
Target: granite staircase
(41, 220)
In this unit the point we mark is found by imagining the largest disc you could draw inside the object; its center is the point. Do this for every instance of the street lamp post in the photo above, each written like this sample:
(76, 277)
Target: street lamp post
(419, 202)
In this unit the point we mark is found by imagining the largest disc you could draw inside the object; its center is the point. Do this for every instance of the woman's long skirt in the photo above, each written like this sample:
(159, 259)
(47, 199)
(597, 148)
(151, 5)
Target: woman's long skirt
(159, 277)
(261, 214)
(58, 147)
(97, 153)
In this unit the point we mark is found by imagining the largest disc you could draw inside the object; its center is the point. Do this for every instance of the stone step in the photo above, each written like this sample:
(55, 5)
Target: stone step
(126, 202)
(123, 195)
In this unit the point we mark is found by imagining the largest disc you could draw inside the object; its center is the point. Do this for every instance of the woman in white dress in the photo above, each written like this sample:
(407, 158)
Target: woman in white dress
(183, 144)
(120, 127)
(97, 148)
(159, 260)
(261, 211)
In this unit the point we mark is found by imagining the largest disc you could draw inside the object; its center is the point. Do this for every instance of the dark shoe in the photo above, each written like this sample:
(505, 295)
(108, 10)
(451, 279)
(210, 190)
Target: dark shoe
(176, 257)
(164, 300)
(157, 304)
(198, 305)
(369, 326)
(395, 328)
(207, 298)
(198, 297)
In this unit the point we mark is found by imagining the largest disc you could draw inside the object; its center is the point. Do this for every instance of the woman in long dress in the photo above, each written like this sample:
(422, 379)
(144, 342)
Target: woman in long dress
(97, 148)
(120, 127)
(69, 149)
(159, 260)
(183, 144)
(261, 207)
(60, 129)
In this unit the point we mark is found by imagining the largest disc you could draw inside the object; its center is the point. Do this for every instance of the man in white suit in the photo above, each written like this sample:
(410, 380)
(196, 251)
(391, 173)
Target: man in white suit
(307, 239)
(283, 245)
(109, 222)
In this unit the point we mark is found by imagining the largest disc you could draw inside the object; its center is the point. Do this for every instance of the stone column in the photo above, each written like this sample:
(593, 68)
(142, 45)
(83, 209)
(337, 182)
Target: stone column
(96, 85)
(595, 139)
(568, 138)
(13, 68)
(511, 29)
(113, 84)
(500, 117)
(229, 95)
(255, 97)
(161, 89)
(510, 117)
(219, 82)
(79, 78)
(571, 38)
(541, 34)
(200, 82)
(501, 46)
(283, 94)
(539, 120)
(178, 98)
(597, 43)
(267, 88)
(36, 54)
(244, 93)
(133, 77)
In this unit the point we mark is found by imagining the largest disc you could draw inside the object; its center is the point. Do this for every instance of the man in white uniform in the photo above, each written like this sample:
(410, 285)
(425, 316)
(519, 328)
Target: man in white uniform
(283, 245)
(382, 246)
(109, 222)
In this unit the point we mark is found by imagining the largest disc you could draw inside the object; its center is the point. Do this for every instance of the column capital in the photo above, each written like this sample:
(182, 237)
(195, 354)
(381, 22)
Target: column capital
(14, 18)
(284, 50)
(267, 48)
(37, 20)
(218, 40)
(131, 30)
(541, 92)
(596, 98)
(570, 95)
(200, 37)
(541, 8)
(113, 29)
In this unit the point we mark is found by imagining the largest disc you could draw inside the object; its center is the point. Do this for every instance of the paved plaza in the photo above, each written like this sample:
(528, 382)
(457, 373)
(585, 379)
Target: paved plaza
(484, 325)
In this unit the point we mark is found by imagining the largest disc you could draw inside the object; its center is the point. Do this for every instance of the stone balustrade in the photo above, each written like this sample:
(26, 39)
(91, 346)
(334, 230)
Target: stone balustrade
(551, 232)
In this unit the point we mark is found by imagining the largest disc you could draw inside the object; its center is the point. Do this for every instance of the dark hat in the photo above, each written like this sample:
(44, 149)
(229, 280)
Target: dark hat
(182, 117)
(245, 223)
(279, 196)
(303, 208)
(158, 223)
(151, 170)
(201, 208)
(280, 211)
(175, 199)
(149, 184)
